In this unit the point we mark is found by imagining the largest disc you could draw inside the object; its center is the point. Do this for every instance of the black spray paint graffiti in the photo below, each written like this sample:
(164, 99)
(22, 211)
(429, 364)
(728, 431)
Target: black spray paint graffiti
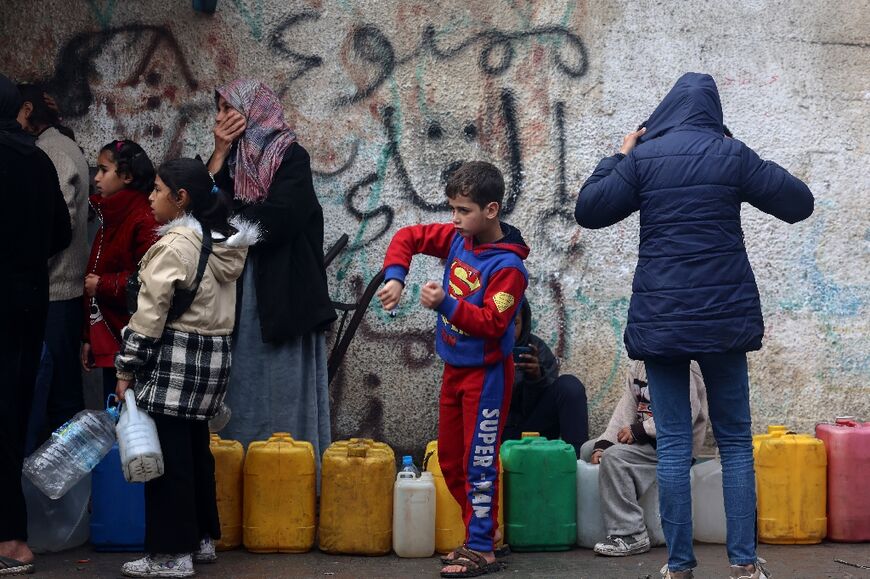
(410, 192)
(305, 62)
(369, 44)
(75, 68)
(559, 212)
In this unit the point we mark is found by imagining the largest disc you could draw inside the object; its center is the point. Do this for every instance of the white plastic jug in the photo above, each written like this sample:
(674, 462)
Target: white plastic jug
(414, 515)
(708, 505)
(590, 522)
(141, 456)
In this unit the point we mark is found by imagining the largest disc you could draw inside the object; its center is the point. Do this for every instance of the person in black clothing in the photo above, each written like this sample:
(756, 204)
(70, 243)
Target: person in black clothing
(36, 223)
(543, 401)
(279, 377)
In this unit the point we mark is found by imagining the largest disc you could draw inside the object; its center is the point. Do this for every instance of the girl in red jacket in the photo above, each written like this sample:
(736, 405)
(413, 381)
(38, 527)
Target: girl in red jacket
(124, 179)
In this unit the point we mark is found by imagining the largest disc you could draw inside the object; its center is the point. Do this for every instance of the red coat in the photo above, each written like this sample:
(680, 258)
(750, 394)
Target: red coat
(128, 230)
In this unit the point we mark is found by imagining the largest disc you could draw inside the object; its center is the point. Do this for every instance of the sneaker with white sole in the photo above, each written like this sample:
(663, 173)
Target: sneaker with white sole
(668, 574)
(623, 545)
(206, 552)
(756, 571)
(160, 566)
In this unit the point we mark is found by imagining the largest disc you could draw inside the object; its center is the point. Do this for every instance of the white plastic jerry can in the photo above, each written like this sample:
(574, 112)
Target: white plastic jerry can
(141, 456)
(708, 505)
(590, 522)
(414, 515)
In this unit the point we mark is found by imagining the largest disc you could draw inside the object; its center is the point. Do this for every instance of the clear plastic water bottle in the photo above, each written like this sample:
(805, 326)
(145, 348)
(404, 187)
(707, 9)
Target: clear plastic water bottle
(409, 466)
(73, 450)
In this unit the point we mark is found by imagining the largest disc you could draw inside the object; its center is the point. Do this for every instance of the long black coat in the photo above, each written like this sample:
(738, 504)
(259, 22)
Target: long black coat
(289, 275)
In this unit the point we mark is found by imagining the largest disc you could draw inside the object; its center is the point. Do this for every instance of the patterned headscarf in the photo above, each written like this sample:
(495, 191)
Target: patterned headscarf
(260, 149)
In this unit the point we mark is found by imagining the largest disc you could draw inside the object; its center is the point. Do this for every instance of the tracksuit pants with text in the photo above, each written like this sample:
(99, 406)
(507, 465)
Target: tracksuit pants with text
(472, 412)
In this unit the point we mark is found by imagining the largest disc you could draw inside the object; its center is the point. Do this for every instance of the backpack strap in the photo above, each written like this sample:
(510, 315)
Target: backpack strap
(183, 298)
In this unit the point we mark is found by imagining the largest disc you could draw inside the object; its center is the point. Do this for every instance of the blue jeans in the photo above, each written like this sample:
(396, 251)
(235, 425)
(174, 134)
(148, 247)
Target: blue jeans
(727, 380)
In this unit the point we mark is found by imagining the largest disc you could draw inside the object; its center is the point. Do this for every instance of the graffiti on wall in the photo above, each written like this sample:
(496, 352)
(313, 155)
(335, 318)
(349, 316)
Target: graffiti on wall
(389, 101)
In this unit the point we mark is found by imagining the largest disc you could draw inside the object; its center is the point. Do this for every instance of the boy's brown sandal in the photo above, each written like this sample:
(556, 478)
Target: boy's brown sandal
(474, 564)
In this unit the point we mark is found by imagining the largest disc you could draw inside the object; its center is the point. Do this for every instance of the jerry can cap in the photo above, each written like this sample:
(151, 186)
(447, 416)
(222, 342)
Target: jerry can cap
(531, 435)
(776, 428)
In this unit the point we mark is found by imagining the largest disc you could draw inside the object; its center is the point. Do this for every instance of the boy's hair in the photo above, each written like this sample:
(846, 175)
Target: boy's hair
(208, 204)
(132, 160)
(480, 181)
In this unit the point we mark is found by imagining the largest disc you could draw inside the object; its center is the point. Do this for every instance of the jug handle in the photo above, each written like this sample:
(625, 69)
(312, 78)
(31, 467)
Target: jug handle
(112, 400)
(130, 401)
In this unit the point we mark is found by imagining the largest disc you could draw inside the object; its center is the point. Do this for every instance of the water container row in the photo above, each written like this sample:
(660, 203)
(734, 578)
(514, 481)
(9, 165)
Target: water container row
(267, 499)
(549, 501)
(809, 488)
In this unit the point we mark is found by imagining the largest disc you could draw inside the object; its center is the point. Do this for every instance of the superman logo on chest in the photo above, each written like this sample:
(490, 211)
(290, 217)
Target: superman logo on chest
(464, 280)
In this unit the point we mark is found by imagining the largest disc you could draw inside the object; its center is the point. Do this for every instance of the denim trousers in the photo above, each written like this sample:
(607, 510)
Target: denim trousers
(727, 380)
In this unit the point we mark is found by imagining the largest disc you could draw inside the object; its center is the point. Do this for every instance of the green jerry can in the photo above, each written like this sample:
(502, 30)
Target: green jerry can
(540, 490)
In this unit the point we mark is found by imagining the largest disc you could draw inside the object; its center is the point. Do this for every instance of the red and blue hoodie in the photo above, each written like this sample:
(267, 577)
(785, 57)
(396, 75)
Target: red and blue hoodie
(484, 286)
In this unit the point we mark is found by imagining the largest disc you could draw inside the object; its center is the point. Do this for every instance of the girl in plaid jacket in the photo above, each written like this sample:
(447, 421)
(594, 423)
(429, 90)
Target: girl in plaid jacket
(179, 361)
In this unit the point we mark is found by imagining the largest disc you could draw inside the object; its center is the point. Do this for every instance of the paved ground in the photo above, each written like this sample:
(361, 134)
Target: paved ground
(798, 562)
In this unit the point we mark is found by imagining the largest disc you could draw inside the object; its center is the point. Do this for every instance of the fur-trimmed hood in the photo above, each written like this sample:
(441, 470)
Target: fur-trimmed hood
(228, 253)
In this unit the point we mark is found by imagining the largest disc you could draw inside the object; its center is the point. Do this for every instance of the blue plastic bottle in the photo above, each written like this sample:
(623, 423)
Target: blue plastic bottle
(409, 466)
(118, 507)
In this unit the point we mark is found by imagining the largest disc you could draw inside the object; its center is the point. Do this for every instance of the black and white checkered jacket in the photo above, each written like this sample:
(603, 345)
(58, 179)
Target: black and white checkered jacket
(179, 374)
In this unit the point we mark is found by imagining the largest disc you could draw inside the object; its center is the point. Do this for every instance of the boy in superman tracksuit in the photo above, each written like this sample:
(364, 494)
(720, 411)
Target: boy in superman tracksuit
(483, 286)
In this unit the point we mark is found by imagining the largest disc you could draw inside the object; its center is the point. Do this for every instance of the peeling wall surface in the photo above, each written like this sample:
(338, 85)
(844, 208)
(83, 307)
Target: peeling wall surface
(387, 95)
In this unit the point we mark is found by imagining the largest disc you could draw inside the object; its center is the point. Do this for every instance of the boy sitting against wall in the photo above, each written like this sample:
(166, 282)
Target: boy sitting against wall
(626, 452)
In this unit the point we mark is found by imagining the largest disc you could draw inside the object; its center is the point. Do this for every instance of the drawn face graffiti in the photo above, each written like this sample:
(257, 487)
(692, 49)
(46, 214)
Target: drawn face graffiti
(430, 140)
(138, 77)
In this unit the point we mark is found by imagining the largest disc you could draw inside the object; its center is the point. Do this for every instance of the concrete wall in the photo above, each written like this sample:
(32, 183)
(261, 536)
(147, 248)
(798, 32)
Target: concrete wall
(385, 95)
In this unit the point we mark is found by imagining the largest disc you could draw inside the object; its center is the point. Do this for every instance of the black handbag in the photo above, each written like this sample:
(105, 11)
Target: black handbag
(183, 298)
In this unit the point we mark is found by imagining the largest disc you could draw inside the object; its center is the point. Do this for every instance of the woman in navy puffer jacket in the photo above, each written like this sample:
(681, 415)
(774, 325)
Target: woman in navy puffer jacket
(694, 294)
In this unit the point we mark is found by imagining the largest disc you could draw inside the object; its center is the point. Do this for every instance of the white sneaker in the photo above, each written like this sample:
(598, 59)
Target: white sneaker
(160, 566)
(668, 574)
(623, 545)
(750, 571)
(206, 552)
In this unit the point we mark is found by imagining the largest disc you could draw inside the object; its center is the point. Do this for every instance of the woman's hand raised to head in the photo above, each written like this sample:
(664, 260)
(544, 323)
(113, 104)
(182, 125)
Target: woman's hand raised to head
(226, 130)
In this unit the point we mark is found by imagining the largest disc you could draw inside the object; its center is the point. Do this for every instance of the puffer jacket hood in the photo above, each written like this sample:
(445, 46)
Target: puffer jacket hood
(692, 102)
(228, 254)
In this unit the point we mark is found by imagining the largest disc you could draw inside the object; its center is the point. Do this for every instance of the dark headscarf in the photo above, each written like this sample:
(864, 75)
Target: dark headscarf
(11, 133)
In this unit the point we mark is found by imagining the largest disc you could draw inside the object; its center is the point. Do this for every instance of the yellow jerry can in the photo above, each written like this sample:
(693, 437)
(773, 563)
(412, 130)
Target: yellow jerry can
(280, 495)
(449, 526)
(772, 431)
(791, 472)
(229, 460)
(356, 498)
